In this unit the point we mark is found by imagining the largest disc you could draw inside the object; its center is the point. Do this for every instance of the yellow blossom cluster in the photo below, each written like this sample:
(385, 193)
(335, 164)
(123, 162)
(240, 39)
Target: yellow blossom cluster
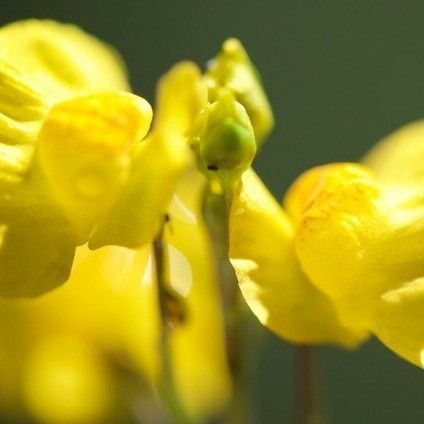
(87, 187)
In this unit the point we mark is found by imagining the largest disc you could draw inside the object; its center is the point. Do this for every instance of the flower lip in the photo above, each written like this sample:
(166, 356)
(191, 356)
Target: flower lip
(84, 148)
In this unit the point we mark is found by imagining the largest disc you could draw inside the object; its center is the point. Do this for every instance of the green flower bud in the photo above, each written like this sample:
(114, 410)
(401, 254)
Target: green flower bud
(227, 140)
(233, 70)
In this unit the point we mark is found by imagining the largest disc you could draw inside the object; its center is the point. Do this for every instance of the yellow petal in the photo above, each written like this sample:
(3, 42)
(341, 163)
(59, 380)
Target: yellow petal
(158, 162)
(22, 106)
(271, 280)
(84, 149)
(61, 59)
(181, 95)
(398, 321)
(34, 232)
(41, 63)
(349, 241)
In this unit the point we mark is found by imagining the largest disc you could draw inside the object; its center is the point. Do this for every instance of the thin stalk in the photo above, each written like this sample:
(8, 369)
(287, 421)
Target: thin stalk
(216, 209)
(308, 403)
(168, 390)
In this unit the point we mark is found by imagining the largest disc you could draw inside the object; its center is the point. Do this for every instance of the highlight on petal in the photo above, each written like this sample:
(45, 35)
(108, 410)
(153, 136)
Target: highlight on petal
(341, 222)
(270, 277)
(158, 162)
(84, 149)
(398, 321)
(232, 69)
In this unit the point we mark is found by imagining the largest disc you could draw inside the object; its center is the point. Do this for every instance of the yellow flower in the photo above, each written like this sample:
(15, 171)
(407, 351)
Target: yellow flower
(399, 313)
(262, 240)
(107, 188)
(72, 157)
(69, 341)
(360, 241)
(345, 260)
(261, 235)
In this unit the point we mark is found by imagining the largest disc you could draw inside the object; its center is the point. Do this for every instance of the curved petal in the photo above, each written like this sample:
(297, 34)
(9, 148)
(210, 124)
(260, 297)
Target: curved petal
(78, 175)
(341, 227)
(36, 251)
(158, 162)
(34, 232)
(398, 321)
(84, 149)
(271, 280)
(22, 107)
(61, 59)
(41, 63)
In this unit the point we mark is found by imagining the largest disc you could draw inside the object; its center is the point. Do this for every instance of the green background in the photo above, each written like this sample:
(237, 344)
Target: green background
(340, 75)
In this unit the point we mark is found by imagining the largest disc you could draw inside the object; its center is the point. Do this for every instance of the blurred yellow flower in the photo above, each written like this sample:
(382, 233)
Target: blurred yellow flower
(73, 340)
(88, 178)
(71, 156)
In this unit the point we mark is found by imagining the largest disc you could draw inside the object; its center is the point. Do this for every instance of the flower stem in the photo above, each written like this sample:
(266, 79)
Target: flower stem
(308, 403)
(216, 208)
(168, 390)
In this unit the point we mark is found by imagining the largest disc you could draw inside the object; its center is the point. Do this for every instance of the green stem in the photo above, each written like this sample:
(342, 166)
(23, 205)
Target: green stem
(308, 403)
(216, 210)
(168, 390)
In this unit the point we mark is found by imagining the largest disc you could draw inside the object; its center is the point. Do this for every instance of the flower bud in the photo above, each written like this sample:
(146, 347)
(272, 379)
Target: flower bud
(233, 70)
(227, 139)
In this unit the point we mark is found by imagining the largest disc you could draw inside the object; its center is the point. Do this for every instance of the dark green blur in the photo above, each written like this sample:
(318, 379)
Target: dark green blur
(340, 75)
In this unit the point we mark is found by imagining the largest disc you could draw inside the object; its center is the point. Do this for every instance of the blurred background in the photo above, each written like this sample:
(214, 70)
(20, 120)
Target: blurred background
(340, 75)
